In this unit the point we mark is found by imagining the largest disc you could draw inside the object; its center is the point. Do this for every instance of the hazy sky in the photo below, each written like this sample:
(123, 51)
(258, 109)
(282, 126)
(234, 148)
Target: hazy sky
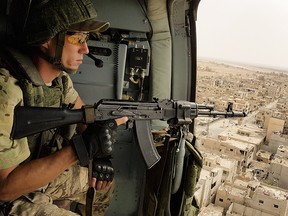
(249, 31)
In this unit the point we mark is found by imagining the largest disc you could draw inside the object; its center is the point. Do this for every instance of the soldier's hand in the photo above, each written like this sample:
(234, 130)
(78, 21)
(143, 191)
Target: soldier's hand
(96, 141)
(102, 173)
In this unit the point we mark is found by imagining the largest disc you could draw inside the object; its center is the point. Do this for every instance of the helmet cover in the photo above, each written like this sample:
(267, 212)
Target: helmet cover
(46, 20)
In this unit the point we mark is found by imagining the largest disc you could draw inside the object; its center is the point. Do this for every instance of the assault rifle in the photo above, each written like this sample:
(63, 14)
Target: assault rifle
(32, 120)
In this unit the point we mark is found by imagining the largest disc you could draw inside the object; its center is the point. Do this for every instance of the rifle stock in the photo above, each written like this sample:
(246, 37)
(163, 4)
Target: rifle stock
(32, 120)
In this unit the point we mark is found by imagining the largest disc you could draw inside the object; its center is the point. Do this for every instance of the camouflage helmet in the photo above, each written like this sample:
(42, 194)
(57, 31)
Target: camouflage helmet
(47, 18)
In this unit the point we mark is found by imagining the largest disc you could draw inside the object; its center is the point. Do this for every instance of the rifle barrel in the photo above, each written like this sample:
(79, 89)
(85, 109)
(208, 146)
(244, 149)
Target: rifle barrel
(217, 114)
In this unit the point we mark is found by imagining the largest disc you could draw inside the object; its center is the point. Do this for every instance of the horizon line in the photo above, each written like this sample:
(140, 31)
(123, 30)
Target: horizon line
(262, 66)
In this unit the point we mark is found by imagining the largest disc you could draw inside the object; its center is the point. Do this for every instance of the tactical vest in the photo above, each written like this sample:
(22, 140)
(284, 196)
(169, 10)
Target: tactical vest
(44, 96)
(36, 93)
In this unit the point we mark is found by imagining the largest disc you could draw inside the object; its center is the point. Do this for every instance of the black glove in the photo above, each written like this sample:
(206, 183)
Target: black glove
(95, 142)
(102, 169)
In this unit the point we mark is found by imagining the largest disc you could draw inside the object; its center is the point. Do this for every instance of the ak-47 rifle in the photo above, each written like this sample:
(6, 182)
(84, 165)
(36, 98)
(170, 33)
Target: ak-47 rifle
(31, 120)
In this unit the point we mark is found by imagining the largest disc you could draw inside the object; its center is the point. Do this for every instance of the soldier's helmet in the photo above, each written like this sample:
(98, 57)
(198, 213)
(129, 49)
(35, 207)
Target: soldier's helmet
(37, 21)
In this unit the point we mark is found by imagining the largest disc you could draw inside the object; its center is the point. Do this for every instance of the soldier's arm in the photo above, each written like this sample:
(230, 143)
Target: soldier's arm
(17, 180)
(22, 179)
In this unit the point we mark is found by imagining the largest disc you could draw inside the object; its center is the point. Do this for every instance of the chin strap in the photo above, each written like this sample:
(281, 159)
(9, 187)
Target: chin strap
(59, 49)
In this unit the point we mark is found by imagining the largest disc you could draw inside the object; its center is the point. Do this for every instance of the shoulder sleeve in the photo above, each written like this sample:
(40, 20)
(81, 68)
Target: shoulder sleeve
(72, 94)
(12, 152)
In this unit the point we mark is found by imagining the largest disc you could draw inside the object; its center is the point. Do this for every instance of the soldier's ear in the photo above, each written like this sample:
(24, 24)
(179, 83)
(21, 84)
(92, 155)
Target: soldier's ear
(48, 47)
(46, 44)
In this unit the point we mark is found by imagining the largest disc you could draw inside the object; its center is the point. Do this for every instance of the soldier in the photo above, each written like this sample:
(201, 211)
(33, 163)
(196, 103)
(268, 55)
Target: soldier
(39, 170)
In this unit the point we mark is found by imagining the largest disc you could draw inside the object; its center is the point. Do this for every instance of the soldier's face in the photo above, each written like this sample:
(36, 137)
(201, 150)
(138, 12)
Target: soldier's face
(74, 48)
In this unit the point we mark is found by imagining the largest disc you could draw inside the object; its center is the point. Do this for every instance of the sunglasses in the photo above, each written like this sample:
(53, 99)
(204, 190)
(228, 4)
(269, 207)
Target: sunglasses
(77, 38)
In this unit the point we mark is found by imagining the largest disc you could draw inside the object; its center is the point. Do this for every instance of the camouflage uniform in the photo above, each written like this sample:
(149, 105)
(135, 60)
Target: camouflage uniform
(72, 184)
